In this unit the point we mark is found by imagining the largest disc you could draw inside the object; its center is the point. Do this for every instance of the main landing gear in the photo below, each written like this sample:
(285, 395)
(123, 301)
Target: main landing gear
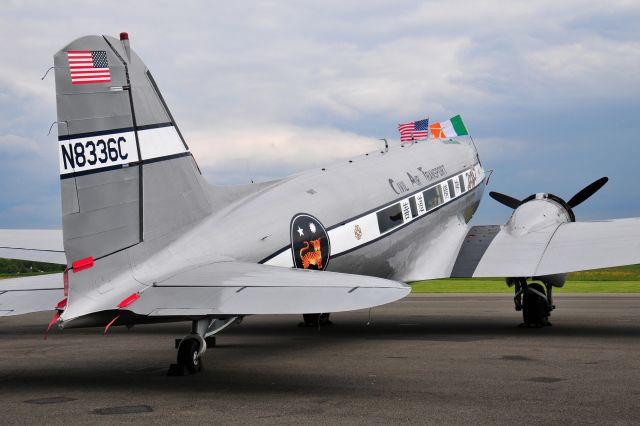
(535, 300)
(193, 345)
(315, 320)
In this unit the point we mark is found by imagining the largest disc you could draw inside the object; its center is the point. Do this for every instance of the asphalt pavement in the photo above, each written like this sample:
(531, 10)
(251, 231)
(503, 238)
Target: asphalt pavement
(427, 359)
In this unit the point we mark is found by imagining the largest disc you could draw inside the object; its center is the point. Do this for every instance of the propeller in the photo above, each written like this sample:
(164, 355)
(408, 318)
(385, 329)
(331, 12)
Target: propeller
(587, 191)
(576, 200)
(505, 199)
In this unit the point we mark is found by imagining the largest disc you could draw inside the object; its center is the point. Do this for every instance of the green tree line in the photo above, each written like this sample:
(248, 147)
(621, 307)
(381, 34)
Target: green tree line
(20, 267)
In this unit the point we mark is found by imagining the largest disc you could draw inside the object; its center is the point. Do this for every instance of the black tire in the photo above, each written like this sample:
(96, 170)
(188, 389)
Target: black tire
(314, 320)
(535, 309)
(310, 319)
(188, 356)
(324, 319)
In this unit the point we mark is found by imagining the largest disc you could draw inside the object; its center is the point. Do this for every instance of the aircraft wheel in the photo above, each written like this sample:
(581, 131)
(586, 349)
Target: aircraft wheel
(535, 308)
(324, 320)
(315, 320)
(188, 355)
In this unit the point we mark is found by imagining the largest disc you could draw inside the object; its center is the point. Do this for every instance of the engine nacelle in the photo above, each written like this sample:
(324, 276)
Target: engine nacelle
(555, 280)
(536, 213)
(539, 212)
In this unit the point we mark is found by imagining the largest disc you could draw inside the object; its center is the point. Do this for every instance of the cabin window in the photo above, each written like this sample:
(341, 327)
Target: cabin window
(389, 218)
(461, 179)
(433, 197)
(452, 191)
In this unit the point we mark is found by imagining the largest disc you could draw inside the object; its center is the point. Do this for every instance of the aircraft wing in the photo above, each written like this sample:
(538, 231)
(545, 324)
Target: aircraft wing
(30, 294)
(493, 251)
(40, 245)
(245, 288)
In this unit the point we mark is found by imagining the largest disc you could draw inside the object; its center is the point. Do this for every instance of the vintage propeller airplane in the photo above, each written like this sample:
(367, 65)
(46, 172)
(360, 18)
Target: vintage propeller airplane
(145, 239)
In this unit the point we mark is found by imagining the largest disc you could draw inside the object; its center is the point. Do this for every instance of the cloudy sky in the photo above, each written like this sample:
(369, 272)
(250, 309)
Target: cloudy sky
(550, 90)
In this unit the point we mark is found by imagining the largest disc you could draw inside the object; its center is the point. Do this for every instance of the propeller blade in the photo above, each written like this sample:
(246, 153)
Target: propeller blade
(587, 191)
(505, 199)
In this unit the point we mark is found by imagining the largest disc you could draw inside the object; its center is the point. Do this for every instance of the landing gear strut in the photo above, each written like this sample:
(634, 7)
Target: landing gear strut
(193, 345)
(534, 300)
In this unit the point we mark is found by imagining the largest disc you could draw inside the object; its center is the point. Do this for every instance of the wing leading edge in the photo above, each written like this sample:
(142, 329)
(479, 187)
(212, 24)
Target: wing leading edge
(494, 251)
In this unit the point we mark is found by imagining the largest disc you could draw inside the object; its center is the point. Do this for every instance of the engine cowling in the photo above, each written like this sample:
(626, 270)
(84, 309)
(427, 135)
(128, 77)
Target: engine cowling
(538, 212)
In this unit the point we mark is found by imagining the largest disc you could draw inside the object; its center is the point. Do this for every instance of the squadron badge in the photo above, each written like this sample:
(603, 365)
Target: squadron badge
(309, 243)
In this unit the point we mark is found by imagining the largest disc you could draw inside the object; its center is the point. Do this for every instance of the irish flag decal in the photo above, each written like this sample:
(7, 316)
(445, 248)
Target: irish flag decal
(448, 129)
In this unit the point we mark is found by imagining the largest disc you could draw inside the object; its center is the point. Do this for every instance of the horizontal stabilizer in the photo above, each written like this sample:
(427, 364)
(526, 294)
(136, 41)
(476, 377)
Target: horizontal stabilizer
(246, 288)
(492, 251)
(30, 294)
(38, 245)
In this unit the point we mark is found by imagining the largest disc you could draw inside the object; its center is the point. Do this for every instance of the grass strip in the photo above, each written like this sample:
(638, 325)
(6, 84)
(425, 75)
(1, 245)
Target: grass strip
(475, 285)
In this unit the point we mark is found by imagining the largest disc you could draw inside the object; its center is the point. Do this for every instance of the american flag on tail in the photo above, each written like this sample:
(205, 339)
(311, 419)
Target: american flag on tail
(88, 66)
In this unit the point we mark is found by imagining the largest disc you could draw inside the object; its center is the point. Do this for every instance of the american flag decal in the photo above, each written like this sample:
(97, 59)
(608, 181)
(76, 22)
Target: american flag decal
(414, 130)
(88, 66)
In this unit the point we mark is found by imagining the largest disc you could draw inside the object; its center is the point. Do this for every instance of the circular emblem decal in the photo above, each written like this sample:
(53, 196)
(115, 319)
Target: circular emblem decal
(309, 243)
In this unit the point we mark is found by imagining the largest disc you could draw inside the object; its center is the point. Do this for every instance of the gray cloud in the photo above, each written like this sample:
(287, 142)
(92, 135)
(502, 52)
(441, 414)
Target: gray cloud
(546, 87)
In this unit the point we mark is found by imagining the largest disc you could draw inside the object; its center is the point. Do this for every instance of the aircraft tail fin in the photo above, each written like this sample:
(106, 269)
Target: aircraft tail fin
(127, 175)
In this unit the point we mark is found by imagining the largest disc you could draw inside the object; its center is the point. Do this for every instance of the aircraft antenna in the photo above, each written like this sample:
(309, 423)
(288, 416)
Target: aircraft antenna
(474, 144)
(45, 74)
(474, 147)
(386, 144)
(246, 165)
(54, 123)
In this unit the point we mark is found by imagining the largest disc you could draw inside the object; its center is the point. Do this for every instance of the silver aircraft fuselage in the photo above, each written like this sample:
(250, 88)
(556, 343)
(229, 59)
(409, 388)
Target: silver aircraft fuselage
(350, 199)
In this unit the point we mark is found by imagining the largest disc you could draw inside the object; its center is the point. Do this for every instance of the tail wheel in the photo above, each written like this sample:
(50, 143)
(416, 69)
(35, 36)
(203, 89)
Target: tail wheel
(535, 306)
(189, 355)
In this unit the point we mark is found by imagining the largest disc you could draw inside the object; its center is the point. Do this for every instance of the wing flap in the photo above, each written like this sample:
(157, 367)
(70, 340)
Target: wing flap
(514, 255)
(244, 289)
